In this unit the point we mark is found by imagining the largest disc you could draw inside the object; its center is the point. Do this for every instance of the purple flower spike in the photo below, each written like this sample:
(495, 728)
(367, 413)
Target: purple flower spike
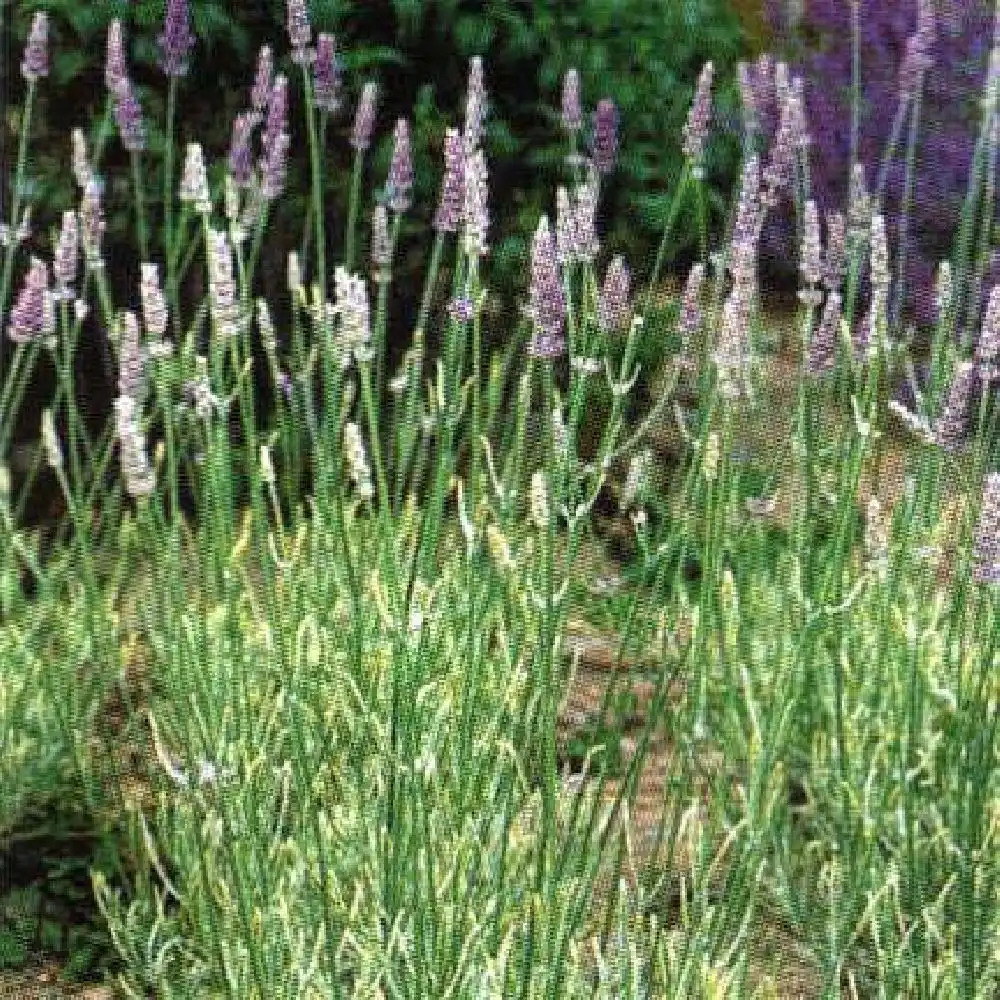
(275, 164)
(128, 115)
(988, 349)
(115, 74)
(572, 117)
(449, 212)
(986, 544)
(26, 318)
(326, 75)
(823, 346)
(400, 170)
(240, 158)
(277, 111)
(381, 241)
(299, 31)
(475, 104)
(261, 93)
(547, 305)
(477, 216)
(612, 306)
(696, 128)
(177, 40)
(605, 143)
(36, 52)
(364, 119)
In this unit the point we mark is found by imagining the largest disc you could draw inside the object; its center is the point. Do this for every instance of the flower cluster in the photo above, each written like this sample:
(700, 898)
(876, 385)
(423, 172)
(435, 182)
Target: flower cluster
(128, 113)
(139, 479)
(547, 305)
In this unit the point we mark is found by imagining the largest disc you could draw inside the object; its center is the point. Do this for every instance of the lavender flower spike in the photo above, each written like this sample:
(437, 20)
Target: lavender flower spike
(364, 118)
(547, 305)
(381, 243)
(605, 140)
(986, 544)
(449, 211)
(572, 116)
(177, 40)
(240, 157)
(475, 105)
(400, 170)
(326, 75)
(194, 180)
(115, 73)
(477, 219)
(128, 115)
(299, 31)
(36, 52)
(612, 306)
(26, 318)
(261, 93)
(988, 349)
(66, 260)
(696, 128)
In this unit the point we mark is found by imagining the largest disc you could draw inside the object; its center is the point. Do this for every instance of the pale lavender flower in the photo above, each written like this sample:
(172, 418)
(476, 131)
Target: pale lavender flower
(943, 289)
(81, 165)
(400, 180)
(299, 30)
(835, 258)
(128, 115)
(612, 304)
(139, 478)
(475, 105)
(26, 318)
(131, 360)
(565, 228)
(605, 138)
(449, 210)
(823, 345)
(277, 111)
(696, 127)
(988, 349)
(951, 427)
(916, 61)
(732, 355)
(690, 315)
(476, 212)
(177, 40)
(810, 262)
(364, 118)
(92, 223)
(585, 243)
(221, 286)
(381, 242)
(547, 304)
(36, 52)
(261, 93)
(194, 180)
(572, 116)
(326, 75)
(115, 73)
(66, 259)
(355, 324)
(986, 542)
(780, 170)
(742, 261)
(275, 166)
(154, 306)
(240, 156)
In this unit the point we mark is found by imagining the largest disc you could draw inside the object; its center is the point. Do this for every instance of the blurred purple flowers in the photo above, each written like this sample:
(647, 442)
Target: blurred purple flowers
(547, 305)
(177, 40)
(326, 75)
(605, 139)
(36, 52)
(400, 170)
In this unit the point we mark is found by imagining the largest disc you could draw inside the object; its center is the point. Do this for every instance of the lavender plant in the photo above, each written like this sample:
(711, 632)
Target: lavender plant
(354, 763)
